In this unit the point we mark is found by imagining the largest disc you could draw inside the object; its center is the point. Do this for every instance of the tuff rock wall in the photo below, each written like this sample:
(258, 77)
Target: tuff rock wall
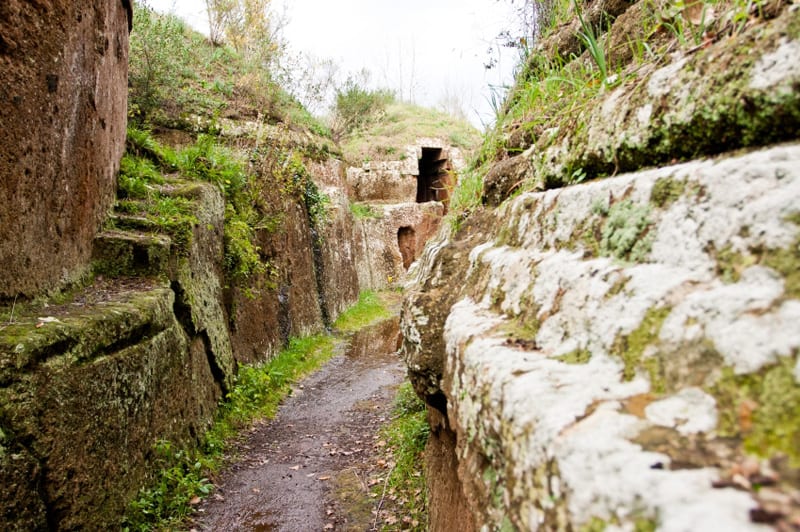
(63, 102)
(623, 354)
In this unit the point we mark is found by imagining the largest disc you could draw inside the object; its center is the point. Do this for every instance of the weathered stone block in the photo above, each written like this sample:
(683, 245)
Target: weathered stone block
(82, 422)
(63, 107)
(597, 368)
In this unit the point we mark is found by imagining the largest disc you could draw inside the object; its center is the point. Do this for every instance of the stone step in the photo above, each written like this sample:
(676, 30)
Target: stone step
(129, 254)
(101, 319)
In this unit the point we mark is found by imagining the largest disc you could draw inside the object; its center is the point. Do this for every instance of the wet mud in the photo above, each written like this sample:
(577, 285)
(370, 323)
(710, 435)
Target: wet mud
(309, 468)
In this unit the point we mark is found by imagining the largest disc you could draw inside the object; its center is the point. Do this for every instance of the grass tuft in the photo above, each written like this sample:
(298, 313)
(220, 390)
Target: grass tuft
(368, 309)
(406, 437)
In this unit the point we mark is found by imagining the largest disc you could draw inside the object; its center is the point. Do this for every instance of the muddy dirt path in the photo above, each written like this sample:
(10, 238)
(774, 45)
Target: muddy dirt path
(310, 467)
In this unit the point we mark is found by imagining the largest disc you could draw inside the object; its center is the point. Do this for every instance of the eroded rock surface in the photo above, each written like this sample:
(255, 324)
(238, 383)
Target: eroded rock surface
(63, 101)
(623, 352)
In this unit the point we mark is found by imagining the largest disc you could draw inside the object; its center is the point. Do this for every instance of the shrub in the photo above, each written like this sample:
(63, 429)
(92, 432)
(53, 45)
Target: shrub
(356, 106)
(158, 54)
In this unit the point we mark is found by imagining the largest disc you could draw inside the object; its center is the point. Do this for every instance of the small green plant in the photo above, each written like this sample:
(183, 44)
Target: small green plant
(368, 309)
(179, 480)
(136, 177)
(406, 436)
(206, 159)
(590, 39)
(363, 211)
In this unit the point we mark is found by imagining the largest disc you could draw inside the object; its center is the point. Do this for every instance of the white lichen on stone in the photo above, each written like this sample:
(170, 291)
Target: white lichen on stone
(739, 319)
(663, 80)
(689, 411)
(778, 67)
(521, 408)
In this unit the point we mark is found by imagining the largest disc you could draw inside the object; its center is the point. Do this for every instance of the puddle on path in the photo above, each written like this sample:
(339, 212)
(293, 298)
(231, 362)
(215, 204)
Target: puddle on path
(304, 469)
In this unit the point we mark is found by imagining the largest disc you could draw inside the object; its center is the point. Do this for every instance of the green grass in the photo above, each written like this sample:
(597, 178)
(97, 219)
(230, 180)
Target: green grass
(182, 474)
(369, 308)
(466, 196)
(406, 436)
(401, 125)
(363, 211)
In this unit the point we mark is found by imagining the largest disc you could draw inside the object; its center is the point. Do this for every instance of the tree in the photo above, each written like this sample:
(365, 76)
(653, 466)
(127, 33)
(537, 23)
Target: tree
(251, 27)
(219, 14)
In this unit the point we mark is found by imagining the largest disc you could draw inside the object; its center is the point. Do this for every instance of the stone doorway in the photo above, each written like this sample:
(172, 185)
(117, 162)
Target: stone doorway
(407, 242)
(434, 176)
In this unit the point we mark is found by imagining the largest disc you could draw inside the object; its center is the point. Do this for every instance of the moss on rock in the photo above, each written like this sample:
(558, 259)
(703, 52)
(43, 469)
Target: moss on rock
(666, 190)
(631, 347)
(763, 409)
(625, 232)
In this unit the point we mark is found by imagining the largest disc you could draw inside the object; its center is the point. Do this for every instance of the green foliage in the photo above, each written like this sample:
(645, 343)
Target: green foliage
(157, 64)
(356, 106)
(369, 308)
(363, 211)
(466, 196)
(317, 203)
(179, 480)
(625, 232)
(589, 38)
(135, 177)
(406, 436)
(206, 159)
(140, 143)
(242, 259)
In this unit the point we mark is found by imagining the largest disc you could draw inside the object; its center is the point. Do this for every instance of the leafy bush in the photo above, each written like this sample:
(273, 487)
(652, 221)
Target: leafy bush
(158, 57)
(356, 106)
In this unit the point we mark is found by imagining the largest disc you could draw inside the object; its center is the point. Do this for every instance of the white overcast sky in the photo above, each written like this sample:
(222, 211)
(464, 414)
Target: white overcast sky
(443, 43)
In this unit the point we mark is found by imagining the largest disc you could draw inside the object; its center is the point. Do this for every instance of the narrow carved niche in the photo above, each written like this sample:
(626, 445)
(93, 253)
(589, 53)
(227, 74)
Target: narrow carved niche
(407, 242)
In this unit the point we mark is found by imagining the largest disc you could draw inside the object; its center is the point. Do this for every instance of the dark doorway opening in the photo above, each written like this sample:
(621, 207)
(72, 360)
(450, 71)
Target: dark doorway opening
(407, 242)
(434, 176)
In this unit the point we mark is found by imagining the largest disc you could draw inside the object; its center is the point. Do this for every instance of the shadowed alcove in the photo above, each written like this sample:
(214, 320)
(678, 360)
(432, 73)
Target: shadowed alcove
(434, 176)
(407, 241)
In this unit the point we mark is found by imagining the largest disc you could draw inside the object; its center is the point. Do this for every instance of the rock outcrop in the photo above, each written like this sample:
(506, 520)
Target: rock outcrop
(89, 385)
(623, 354)
(63, 102)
